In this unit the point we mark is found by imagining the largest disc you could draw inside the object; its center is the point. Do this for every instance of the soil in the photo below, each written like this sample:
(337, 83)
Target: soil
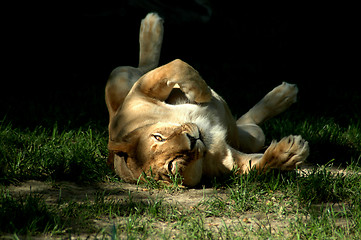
(186, 199)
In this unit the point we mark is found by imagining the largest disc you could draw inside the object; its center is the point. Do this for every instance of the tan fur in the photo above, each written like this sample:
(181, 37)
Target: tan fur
(167, 119)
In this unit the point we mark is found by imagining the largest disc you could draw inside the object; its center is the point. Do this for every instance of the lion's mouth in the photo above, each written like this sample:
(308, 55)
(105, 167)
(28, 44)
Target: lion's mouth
(170, 166)
(176, 165)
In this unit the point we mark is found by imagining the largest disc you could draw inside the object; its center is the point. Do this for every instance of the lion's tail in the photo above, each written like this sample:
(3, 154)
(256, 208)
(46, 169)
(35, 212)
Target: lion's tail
(150, 41)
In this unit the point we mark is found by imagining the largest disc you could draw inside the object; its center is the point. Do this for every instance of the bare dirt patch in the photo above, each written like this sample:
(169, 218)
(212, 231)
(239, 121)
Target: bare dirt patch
(272, 221)
(187, 199)
(70, 191)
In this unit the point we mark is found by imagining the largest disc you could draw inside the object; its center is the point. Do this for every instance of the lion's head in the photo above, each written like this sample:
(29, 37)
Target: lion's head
(161, 149)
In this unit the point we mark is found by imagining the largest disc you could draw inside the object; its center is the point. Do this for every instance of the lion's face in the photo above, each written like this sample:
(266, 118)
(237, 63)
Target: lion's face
(164, 149)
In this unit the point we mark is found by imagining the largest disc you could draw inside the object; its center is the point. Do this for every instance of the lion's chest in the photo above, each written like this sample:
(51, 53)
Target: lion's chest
(185, 113)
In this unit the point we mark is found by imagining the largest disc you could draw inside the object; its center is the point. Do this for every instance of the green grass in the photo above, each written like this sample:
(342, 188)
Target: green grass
(26, 214)
(318, 204)
(76, 155)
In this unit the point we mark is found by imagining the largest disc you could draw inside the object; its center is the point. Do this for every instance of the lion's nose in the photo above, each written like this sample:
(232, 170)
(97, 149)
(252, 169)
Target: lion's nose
(193, 139)
(193, 133)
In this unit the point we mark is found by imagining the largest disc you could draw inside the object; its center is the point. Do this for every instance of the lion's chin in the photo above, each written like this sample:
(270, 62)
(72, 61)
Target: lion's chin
(193, 173)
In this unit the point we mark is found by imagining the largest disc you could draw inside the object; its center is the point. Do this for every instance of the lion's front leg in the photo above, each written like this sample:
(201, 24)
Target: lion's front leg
(286, 154)
(159, 82)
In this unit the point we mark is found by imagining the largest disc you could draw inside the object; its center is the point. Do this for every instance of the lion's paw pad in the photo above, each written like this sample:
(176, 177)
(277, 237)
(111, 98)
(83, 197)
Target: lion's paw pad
(287, 154)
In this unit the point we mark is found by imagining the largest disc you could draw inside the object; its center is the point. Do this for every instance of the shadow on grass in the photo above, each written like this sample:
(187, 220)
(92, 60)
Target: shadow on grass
(341, 155)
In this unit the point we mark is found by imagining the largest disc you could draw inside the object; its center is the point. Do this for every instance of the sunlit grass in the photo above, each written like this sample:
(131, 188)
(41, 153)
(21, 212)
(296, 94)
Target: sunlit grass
(76, 155)
(311, 204)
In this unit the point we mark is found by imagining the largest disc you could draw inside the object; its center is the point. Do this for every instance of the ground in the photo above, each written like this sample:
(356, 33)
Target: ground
(209, 208)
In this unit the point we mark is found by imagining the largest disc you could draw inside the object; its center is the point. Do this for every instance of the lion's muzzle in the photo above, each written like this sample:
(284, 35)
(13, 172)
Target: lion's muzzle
(194, 135)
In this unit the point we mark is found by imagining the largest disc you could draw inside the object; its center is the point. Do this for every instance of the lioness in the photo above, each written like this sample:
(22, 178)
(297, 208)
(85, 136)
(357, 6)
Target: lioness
(166, 120)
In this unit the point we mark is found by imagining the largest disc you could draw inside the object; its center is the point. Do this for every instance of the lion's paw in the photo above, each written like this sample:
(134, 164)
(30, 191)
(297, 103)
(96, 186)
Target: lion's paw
(195, 92)
(190, 82)
(150, 40)
(286, 154)
(281, 97)
(151, 29)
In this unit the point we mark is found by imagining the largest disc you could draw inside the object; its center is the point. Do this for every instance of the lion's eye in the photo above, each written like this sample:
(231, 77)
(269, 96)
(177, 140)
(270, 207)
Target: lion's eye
(158, 137)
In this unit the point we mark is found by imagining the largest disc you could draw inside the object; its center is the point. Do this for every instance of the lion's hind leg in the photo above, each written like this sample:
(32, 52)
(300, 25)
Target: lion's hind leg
(122, 79)
(251, 138)
(275, 102)
(150, 41)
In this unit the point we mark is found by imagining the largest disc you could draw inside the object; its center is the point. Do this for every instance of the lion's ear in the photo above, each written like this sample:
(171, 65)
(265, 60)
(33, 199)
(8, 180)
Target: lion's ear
(127, 144)
(121, 168)
(117, 161)
(122, 156)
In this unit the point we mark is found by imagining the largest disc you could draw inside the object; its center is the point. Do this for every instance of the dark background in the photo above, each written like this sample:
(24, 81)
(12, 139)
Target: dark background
(57, 58)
